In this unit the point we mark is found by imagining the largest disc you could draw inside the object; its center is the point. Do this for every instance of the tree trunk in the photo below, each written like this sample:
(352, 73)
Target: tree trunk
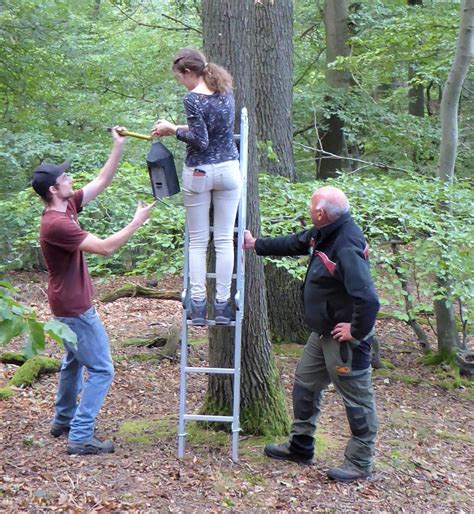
(285, 306)
(448, 339)
(333, 139)
(274, 86)
(229, 32)
(416, 96)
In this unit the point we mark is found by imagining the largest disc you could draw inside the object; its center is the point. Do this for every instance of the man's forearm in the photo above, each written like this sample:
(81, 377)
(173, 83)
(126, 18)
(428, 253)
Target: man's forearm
(94, 188)
(110, 167)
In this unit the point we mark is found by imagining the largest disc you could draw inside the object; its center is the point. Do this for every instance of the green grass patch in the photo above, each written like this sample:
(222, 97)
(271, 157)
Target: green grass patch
(468, 394)
(387, 364)
(198, 341)
(288, 350)
(147, 431)
(455, 436)
(399, 377)
(5, 392)
(201, 436)
(407, 379)
(383, 373)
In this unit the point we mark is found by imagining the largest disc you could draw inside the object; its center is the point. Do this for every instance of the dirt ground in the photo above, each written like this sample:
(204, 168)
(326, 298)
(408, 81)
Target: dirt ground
(424, 450)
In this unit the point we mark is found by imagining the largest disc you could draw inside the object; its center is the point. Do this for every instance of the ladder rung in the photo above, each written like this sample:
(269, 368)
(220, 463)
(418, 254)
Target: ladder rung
(222, 371)
(236, 229)
(210, 323)
(199, 417)
(213, 275)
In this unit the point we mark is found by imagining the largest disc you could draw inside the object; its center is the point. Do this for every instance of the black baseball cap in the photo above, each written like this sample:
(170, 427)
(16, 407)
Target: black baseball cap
(45, 176)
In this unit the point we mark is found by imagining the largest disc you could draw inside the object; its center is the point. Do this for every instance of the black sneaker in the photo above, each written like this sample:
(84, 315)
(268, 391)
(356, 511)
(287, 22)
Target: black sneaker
(348, 472)
(282, 451)
(223, 314)
(58, 430)
(92, 446)
(197, 312)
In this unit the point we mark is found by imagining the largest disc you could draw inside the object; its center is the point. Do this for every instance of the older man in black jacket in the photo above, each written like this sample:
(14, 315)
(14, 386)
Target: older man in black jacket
(341, 305)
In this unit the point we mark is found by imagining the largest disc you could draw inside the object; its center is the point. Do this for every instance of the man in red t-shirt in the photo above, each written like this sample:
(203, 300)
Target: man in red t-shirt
(63, 243)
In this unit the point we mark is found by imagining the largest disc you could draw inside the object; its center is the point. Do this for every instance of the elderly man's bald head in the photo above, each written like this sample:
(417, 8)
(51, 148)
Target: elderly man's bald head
(328, 203)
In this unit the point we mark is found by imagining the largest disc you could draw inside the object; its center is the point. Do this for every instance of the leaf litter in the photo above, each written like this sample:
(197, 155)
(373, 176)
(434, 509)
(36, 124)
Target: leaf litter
(424, 449)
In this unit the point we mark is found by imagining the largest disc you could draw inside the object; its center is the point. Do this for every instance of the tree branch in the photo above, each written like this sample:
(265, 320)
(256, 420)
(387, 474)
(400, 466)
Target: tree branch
(152, 26)
(328, 155)
(187, 27)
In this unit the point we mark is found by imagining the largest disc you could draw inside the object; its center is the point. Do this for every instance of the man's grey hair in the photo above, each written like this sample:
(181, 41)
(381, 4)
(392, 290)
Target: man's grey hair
(333, 210)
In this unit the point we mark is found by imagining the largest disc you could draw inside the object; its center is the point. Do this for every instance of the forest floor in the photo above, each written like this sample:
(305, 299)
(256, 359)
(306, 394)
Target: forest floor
(425, 444)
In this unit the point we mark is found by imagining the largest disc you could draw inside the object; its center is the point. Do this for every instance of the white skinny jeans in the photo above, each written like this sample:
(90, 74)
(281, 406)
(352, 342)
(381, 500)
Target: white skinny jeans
(222, 184)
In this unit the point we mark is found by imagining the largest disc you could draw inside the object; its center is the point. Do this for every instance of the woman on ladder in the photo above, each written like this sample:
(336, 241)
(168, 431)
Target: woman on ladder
(211, 173)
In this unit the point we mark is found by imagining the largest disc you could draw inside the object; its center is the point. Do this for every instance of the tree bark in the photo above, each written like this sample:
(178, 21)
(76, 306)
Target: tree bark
(274, 86)
(333, 139)
(416, 94)
(285, 306)
(452, 92)
(229, 32)
(448, 338)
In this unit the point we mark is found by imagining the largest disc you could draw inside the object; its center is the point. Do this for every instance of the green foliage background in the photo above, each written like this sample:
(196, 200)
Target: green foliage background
(71, 69)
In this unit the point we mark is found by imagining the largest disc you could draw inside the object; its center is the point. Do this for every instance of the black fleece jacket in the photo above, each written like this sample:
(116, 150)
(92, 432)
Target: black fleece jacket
(338, 286)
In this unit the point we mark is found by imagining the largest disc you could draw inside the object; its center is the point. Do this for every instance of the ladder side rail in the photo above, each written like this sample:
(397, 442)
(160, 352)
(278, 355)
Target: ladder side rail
(184, 349)
(240, 285)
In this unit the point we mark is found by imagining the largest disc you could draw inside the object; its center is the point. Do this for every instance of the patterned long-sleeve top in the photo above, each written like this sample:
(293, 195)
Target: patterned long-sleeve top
(210, 138)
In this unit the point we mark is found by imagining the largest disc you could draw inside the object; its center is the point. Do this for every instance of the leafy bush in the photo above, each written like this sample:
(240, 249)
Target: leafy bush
(401, 210)
(388, 209)
(155, 249)
(17, 319)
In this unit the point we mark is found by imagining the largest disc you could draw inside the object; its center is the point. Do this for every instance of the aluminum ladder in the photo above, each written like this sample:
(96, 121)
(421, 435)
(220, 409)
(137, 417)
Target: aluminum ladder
(239, 276)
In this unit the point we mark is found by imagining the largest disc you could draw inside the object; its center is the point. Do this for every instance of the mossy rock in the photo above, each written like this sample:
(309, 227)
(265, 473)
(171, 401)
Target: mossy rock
(33, 368)
(13, 358)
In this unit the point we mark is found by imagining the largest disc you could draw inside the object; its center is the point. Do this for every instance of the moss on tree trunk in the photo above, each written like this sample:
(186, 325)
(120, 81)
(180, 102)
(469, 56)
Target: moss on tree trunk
(259, 414)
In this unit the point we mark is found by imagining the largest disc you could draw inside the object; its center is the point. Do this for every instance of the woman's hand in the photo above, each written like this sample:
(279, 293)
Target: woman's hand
(163, 128)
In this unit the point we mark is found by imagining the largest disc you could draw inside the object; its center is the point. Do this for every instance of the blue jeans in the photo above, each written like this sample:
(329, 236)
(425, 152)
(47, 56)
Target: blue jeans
(93, 353)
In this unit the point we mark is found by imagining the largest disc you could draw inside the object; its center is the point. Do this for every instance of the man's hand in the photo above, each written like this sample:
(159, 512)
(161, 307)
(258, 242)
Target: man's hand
(249, 240)
(342, 332)
(116, 136)
(163, 128)
(143, 212)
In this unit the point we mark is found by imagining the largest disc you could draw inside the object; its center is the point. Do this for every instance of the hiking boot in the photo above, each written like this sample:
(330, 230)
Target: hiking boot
(198, 312)
(348, 472)
(58, 430)
(282, 451)
(91, 446)
(223, 314)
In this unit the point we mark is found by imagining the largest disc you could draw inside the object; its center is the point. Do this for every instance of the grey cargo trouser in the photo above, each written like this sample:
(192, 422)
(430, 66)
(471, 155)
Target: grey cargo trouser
(320, 364)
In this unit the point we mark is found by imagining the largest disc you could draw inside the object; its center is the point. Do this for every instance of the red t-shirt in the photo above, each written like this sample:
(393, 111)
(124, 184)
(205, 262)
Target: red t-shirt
(69, 284)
